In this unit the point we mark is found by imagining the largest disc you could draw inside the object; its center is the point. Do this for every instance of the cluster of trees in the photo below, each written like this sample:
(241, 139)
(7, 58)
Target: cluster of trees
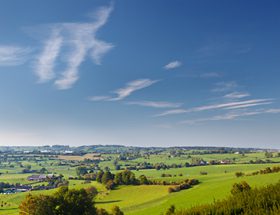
(267, 170)
(260, 161)
(111, 180)
(127, 177)
(7, 185)
(147, 165)
(58, 181)
(240, 187)
(82, 170)
(163, 175)
(27, 169)
(203, 173)
(239, 174)
(64, 201)
(270, 154)
(243, 201)
(188, 183)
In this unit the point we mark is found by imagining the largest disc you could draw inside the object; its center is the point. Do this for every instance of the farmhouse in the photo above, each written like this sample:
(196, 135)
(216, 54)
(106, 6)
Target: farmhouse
(41, 177)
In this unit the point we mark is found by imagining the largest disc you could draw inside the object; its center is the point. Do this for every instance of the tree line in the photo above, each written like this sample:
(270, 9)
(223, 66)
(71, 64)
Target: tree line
(127, 177)
(267, 170)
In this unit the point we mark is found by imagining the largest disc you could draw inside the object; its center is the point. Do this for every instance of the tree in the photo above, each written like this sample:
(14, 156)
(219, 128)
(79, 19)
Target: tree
(106, 177)
(117, 211)
(268, 154)
(81, 170)
(118, 178)
(102, 211)
(110, 185)
(239, 174)
(75, 202)
(64, 201)
(91, 191)
(240, 187)
(99, 176)
(43, 170)
(117, 167)
(143, 179)
(35, 205)
(127, 177)
(170, 210)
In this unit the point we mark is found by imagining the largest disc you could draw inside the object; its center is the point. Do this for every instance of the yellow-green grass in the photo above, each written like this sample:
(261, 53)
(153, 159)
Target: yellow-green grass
(215, 185)
(14, 178)
(207, 192)
(155, 199)
(194, 172)
(131, 198)
(238, 158)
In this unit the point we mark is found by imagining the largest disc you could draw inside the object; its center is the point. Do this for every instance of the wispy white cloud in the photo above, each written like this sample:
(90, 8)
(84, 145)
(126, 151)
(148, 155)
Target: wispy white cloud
(80, 40)
(228, 105)
(45, 64)
(228, 116)
(225, 86)
(99, 98)
(126, 91)
(11, 55)
(237, 95)
(248, 105)
(173, 65)
(155, 104)
(172, 112)
(273, 110)
(231, 116)
(132, 87)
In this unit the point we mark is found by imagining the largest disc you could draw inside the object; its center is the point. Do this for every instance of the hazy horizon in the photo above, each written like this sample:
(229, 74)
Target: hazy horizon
(140, 73)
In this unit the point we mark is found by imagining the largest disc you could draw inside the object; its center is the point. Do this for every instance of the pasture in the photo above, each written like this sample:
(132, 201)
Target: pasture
(146, 199)
(155, 199)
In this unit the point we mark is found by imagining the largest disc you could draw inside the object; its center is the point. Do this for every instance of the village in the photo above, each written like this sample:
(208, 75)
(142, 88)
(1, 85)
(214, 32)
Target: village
(38, 182)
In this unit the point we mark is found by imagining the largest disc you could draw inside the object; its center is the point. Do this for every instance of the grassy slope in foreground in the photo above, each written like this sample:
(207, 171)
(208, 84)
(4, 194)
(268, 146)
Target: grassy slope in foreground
(215, 185)
(216, 188)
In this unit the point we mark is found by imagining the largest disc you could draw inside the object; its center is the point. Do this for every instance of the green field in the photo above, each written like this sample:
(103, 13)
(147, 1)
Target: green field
(215, 185)
(153, 199)
(182, 159)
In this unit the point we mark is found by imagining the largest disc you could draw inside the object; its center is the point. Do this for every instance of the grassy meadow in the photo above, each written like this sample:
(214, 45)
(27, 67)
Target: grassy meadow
(215, 185)
(154, 199)
(146, 199)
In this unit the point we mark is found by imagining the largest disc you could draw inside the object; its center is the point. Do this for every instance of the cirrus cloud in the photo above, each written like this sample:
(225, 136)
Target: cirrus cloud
(12, 55)
(126, 91)
(172, 65)
(80, 41)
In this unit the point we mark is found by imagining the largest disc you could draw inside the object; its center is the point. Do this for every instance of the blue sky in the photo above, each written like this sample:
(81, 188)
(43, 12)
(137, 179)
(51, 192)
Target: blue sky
(143, 73)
